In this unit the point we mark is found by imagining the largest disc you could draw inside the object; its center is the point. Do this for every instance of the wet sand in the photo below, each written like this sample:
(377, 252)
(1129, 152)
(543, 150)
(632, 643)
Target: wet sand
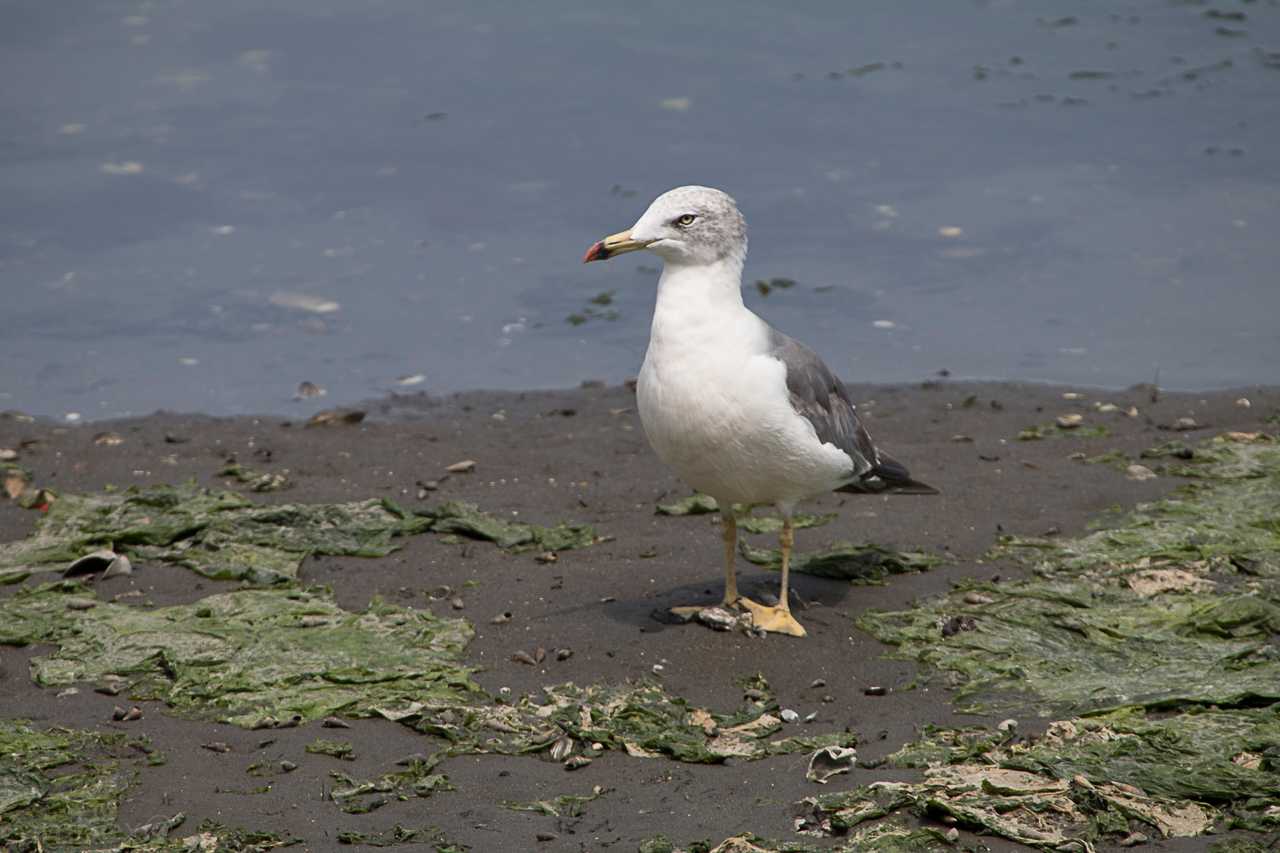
(581, 456)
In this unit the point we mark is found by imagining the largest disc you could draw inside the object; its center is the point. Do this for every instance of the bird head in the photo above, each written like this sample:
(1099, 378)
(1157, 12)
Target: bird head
(687, 225)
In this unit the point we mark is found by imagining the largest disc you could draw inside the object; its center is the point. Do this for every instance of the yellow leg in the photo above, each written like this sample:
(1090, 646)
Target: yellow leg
(730, 531)
(778, 620)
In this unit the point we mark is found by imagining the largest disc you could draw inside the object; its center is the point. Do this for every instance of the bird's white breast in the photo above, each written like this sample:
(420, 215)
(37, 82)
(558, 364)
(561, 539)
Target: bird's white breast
(715, 407)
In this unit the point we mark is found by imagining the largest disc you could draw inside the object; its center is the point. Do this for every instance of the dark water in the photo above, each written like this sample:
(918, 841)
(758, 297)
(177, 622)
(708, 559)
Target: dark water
(204, 204)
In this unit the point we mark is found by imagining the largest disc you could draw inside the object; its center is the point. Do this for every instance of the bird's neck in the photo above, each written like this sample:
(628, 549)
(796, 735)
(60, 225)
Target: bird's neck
(697, 304)
(702, 292)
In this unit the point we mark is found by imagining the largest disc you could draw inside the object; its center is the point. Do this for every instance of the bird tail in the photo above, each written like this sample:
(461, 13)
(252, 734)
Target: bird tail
(888, 475)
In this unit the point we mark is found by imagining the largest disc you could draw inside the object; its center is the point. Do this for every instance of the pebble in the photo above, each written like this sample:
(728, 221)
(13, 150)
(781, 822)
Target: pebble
(546, 836)
(1070, 421)
(1185, 424)
(8, 454)
(576, 762)
(818, 682)
(1243, 403)
(288, 766)
(973, 597)
(501, 618)
(217, 746)
(335, 723)
(1139, 473)
(952, 835)
(564, 654)
(1007, 725)
(466, 466)
(1107, 408)
(789, 716)
(875, 690)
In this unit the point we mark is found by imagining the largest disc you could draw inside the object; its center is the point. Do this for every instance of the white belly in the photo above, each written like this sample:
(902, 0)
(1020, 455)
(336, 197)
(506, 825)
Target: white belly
(724, 423)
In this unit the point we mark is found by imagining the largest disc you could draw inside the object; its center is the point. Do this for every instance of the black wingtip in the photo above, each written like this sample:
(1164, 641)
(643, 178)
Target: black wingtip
(889, 475)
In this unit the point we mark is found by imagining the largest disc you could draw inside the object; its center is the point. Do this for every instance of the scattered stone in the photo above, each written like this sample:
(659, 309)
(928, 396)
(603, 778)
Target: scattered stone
(466, 466)
(1133, 839)
(525, 658)
(108, 439)
(973, 597)
(875, 690)
(456, 603)
(564, 654)
(1139, 472)
(576, 762)
(1072, 395)
(336, 417)
(1008, 725)
(308, 390)
(1243, 403)
(335, 723)
(547, 557)
(1070, 421)
(546, 836)
(818, 682)
(8, 454)
(1108, 408)
(789, 716)
(288, 766)
(952, 835)
(501, 618)
(1183, 424)
(217, 746)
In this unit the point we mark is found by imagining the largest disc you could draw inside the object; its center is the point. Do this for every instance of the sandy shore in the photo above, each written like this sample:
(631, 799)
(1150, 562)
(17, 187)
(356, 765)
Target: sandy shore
(580, 456)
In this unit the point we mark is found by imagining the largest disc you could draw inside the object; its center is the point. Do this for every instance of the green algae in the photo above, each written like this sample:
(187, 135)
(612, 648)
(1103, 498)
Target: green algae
(700, 504)
(418, 779)
(256, 481)
(253, 657)
(641, 719)
(466, 519)
(1176, 603)
(1159, 628)
(1084, 780)
(1043, 431)
(866, 563)
(74, 807)
(225, 536)
(401, 835)
(888, 836)
(564, 805)
(332, 748)
(1223, 760)
(695, 504)
(218, 534)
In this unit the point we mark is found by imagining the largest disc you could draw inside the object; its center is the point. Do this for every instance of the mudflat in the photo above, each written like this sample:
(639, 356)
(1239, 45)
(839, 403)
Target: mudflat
(1009, 460)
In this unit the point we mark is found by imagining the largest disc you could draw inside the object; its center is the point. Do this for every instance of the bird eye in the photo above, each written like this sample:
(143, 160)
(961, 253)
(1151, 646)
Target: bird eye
(686, 220)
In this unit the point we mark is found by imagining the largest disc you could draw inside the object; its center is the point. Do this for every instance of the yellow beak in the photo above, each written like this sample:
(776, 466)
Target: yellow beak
(614, 244)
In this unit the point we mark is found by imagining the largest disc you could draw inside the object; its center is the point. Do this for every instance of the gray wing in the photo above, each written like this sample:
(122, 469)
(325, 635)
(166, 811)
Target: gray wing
(820, 398)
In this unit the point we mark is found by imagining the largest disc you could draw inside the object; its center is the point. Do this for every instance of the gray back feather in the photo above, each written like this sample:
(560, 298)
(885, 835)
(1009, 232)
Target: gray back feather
(819, 397)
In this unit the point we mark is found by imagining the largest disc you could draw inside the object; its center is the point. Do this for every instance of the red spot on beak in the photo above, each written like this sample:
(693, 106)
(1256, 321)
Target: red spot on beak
(597, 252)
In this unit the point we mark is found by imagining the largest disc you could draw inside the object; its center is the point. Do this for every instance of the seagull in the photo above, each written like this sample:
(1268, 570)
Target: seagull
(739, 410)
